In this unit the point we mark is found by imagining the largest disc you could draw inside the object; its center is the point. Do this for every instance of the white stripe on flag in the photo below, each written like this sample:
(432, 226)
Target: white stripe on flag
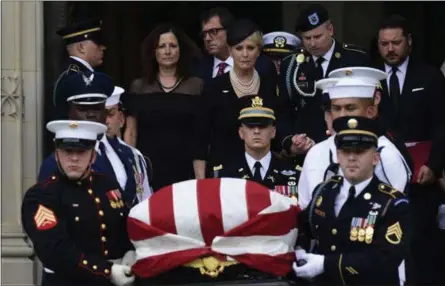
(256, 244)
(279, 203)
(233, 203)
(141, 212)
(164, 244)
(185, 209)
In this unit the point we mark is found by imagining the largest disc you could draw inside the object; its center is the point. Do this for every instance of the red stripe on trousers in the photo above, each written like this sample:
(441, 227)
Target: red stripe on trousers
(162, 214)
(256, 198)
(209, 209)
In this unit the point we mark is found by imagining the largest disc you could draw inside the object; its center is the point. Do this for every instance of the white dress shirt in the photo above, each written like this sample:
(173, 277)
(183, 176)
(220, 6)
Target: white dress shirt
(116, 163)
(391, 169)
(265, 162)
(216, 62)
(88, 66)
(401, 74)
(327, 58)
(341, 198)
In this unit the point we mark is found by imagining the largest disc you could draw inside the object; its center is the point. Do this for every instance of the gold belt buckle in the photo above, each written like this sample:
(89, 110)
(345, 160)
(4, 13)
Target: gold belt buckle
(210, 265)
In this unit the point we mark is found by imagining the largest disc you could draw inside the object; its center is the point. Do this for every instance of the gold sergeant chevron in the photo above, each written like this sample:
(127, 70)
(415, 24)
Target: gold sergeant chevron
(394, 233)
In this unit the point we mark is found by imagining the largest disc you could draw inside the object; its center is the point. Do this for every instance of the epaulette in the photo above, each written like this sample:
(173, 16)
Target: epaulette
(217, 168)
(73, 68)
(50, 180)
(390, 191)
(354, 48)
(335, 179)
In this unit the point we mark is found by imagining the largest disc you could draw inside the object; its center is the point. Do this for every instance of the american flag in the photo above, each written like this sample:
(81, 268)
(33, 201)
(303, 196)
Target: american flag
(226, 218)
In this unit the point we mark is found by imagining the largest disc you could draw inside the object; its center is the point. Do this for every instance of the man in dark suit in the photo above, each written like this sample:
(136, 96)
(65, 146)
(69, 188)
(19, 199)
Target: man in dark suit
(214, 25)
(299, 71)
(412, 105)
(258, 163)
(85, 48)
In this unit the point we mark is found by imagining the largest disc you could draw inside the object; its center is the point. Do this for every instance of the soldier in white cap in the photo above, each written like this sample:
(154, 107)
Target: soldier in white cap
(117, 150)
(352, 95)
(278, 45)
(76, 220)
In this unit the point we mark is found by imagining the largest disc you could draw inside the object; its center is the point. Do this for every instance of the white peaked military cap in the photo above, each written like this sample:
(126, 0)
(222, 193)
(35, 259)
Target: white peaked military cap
(325, 83)
(72, 129)
(368, 75)
(355, 82)
(115, 97)
(280, 42)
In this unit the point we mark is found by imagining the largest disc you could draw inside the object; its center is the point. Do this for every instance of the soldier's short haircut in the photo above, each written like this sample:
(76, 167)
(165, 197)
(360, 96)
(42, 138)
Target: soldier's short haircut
(395, 22)
(225, 17)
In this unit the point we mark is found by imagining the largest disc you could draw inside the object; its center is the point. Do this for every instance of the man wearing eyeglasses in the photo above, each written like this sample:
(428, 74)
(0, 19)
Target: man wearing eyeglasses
(214, 24)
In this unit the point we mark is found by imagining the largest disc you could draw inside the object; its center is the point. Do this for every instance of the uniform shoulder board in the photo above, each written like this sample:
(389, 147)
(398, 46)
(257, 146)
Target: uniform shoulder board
(390, 191)
(295, 53)
(354, 48)
(217, 168)
(74, 68)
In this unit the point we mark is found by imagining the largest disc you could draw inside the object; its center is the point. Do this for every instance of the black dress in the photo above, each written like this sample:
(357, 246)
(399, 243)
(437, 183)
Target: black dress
(216, 134)
(165, 126)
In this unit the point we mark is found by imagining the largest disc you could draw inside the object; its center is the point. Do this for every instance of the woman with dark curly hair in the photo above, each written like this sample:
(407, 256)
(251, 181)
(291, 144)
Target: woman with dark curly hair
(161, 104)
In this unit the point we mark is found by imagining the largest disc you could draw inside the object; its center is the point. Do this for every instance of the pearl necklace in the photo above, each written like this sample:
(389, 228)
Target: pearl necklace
(244, 88)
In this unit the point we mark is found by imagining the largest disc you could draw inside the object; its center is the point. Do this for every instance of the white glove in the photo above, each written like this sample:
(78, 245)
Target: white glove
(119, 275)
(313, 267)
(129, 258)
(300, 254)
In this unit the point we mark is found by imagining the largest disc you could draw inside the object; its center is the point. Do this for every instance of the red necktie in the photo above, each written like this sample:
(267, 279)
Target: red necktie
(221, 67)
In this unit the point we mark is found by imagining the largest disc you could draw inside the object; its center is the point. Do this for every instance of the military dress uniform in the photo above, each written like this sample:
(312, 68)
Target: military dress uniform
(365, 240)
(321, 160)
(275, 174)
(87, 30)
(76, 226)
(299, 72)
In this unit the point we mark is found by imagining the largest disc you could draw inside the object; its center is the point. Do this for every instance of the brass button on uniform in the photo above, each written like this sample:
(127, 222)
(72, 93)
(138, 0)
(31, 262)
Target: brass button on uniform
(334, 231)
(76, 218)
(103, 226)
(122, 214)
(104, 238)
(94, 267)
(85, 262)
(106, 252)
(333, 247)
(97, 200)
(101, 213)
(90, 191)
(107, 271)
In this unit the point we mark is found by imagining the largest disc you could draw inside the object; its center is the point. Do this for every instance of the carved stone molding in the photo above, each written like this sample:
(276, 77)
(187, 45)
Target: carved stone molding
(12, 99)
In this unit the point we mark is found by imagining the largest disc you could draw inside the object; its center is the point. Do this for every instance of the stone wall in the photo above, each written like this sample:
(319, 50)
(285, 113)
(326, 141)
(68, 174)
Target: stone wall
(21, 129)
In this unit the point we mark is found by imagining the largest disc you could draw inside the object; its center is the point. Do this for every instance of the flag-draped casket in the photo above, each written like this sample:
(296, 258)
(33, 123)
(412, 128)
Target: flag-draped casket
(212, 224)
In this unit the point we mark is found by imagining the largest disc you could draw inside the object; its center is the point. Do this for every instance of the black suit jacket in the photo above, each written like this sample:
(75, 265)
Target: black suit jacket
(420, 115)
(204, 68)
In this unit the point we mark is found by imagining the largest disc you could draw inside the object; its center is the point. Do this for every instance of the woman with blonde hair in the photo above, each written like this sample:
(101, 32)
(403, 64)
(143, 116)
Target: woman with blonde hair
(216, 130)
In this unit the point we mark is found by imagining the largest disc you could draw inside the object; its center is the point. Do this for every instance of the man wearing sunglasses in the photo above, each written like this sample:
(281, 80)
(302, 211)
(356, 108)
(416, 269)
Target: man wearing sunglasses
(214, 24)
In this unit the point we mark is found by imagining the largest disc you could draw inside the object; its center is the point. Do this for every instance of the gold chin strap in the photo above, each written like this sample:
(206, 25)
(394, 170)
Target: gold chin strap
(210, 266)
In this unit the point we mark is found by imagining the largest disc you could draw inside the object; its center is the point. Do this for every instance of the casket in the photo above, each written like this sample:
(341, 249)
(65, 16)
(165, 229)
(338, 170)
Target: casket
(220, 231)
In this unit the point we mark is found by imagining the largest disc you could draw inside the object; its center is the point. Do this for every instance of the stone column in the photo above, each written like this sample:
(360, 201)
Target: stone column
(21, 129)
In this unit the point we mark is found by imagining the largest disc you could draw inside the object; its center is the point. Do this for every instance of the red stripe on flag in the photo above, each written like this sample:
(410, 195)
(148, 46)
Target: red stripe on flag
(162, 214)
(209, 209)
(154, 265)
(138, 230)
(273, 224)
(256, 198)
